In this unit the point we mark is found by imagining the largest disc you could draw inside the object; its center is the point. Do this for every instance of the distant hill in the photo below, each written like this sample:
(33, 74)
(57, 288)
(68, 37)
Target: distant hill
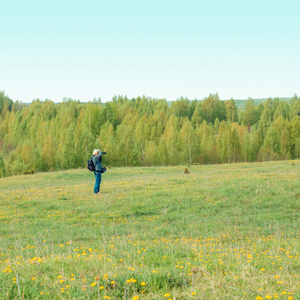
(240, 103)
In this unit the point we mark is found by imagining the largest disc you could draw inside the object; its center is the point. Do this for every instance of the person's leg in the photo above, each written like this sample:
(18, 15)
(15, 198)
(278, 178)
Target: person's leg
(97, 182)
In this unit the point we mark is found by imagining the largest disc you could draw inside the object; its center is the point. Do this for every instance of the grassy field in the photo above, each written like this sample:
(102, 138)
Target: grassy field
(220, 232)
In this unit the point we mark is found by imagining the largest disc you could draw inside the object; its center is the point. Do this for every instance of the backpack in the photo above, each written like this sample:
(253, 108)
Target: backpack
(90, 165)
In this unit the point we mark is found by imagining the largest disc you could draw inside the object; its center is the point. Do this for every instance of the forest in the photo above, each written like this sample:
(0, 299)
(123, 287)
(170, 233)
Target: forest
(48, 136)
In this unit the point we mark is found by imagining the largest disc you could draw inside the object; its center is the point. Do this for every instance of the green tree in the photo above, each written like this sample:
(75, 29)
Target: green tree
(124, 136)
(294, 133)
(140, 139)
(294, 107)
(181, 108)
(152, 155)
(282, 110)
(249, 116)
(27, 155)
(163, 150)
(187, 142)
(231, 111)
(266, 117)
(285, 143)
(48, 154)
(236, 147)
(246, 147)
(272, 143)
(2, 168)
(197, 115)
(171, 136)
(5, 104)
(212, 108)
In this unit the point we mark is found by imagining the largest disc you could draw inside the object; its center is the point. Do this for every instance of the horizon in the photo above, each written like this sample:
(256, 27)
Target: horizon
(163, 49)
(147, 97)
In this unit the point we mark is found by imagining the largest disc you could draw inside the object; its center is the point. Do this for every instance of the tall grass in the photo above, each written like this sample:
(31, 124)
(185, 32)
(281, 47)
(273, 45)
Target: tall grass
(220, 232)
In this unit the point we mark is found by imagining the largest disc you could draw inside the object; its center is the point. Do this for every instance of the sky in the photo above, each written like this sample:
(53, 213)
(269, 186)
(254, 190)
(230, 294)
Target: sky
(161, 49)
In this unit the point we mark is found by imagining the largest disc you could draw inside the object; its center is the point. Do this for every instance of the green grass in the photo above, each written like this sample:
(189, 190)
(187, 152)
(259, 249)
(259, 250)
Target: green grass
(220, 232)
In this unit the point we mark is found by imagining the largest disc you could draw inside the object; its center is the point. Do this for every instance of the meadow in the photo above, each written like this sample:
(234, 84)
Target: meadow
(221, 232)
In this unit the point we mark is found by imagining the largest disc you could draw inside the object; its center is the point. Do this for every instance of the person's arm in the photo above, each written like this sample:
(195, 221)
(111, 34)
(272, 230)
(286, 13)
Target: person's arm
(97, 157)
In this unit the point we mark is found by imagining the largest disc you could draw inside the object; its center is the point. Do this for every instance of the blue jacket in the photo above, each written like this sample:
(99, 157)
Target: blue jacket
(97, 159)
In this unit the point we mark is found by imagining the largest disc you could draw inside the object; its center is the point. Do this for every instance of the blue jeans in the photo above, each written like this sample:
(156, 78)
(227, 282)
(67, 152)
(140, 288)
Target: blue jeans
(97, 182)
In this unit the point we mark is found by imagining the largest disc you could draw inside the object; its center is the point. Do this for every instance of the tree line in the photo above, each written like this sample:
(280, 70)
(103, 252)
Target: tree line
(142, 131)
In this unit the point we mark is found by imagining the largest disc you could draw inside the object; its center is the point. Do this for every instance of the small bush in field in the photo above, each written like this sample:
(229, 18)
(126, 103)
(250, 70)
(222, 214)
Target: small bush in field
(26, 172)
(186, 171)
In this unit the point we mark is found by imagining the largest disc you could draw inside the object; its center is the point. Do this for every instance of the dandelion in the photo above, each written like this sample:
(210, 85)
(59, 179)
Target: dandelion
(136, 298)
(268, 297)
(259, 298)
(167, 295)
(33, 278)
(193, 293)
(143, 283)
(101, 287)
(93, 284)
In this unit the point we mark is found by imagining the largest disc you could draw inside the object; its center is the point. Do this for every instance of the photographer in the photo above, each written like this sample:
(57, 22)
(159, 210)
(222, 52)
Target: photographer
(97, 159)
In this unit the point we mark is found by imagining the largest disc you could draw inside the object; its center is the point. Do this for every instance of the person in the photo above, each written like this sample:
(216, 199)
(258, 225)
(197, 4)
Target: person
(97, 159)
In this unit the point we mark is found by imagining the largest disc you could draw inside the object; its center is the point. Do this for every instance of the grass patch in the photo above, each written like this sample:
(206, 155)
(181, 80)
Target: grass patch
(223, 231)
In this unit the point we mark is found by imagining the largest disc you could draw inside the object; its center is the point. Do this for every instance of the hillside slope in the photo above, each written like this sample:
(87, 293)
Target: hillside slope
(222, 231)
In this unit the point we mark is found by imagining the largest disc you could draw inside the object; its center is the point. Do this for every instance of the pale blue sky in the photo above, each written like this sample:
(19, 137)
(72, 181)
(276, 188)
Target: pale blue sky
(162, 49)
